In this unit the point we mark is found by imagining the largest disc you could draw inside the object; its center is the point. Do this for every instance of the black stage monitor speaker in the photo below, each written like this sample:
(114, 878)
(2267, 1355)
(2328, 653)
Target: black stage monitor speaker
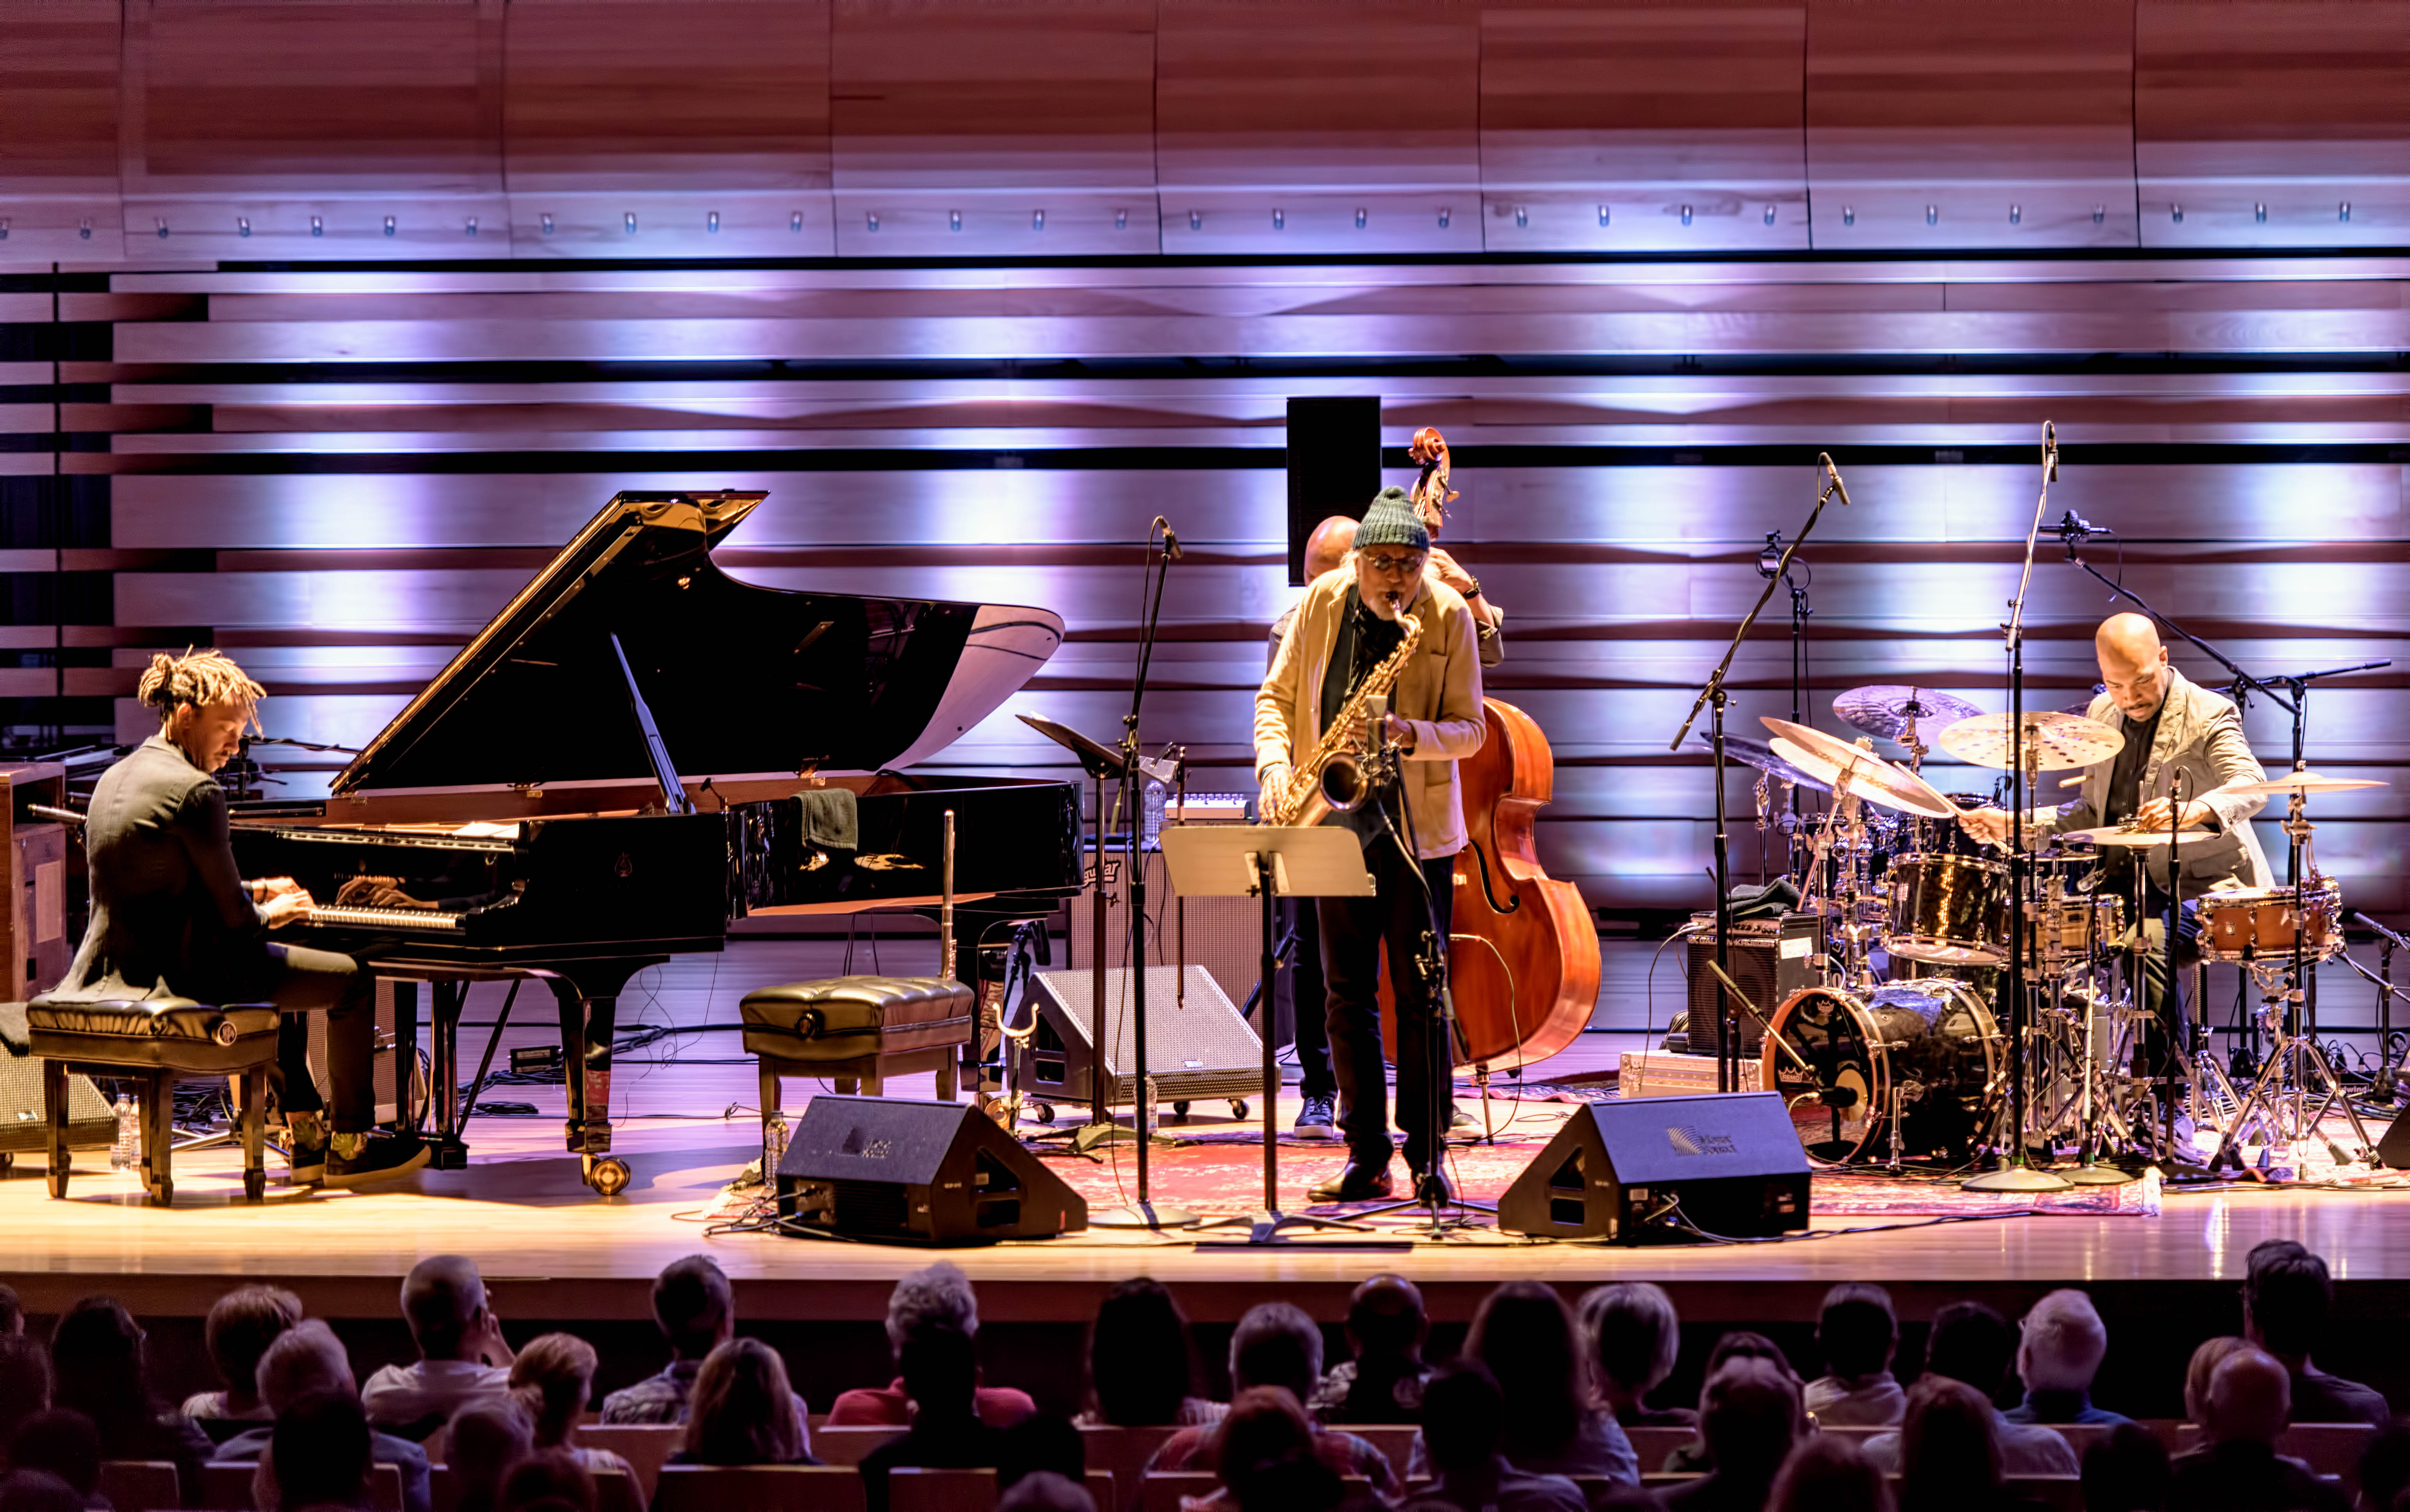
(1196, 1049)
(1334, 467)
(1769, 958)
(2393, 1146)
(918, 1173)
(1730, 1164)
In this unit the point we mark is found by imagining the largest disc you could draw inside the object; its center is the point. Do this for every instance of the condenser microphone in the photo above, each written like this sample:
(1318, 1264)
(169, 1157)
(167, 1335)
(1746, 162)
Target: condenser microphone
(1171, 542)
(1824, 460)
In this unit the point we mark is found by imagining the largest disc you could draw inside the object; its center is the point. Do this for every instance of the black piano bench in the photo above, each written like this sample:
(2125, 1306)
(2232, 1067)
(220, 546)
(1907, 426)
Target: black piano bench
(858, 1030)
(155, 1043)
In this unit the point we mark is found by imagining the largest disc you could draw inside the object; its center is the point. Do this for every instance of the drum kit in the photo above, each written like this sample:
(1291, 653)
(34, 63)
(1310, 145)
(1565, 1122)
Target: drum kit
(1900, 1051)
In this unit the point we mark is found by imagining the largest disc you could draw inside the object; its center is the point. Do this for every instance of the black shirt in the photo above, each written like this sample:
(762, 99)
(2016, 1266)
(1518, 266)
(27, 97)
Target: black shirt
(1364, 642)
(2125, 777)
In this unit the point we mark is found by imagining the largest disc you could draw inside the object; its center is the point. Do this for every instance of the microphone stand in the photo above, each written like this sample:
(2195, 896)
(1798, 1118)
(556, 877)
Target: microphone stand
(1770, 563)
(1713, 697)
(2015, 1173)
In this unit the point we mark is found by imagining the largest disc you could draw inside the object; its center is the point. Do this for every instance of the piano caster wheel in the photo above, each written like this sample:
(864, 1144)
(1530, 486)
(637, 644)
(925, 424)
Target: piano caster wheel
(1179, 1113)
(1239, 1108)
(608, 1176)
(254, 1186)
(1042, 1111)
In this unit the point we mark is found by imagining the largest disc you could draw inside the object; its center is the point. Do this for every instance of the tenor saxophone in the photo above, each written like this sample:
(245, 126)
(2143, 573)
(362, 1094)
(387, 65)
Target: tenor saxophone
(1338, 776)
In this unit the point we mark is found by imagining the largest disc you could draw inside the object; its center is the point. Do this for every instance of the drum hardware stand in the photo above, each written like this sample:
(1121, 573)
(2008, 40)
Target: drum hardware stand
(1712, 698)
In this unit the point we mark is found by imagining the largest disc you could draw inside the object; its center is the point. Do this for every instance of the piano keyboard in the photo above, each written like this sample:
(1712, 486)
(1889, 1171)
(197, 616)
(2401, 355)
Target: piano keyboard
(430, 919)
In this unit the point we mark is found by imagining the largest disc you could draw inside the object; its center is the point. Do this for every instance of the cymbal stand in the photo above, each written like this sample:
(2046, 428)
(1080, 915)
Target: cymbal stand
(2389, 1070)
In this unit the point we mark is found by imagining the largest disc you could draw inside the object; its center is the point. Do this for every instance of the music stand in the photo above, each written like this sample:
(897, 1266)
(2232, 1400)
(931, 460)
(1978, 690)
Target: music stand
(1236, 861)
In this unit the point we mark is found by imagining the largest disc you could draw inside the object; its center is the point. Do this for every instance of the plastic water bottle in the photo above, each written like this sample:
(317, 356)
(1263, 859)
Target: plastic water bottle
(125, 1154)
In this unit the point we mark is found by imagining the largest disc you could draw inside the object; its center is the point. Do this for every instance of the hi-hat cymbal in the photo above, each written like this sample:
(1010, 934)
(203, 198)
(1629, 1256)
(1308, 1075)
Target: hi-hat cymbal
(2061, 741)
(2120, 834)
(1759, 755)
(1871, 777)
(1885, 709)
(2305, 782)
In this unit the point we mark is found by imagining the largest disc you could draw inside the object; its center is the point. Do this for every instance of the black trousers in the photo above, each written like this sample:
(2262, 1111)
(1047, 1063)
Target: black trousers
(301, 980)
(2167, 1036)
(1310, 998)
(1355, 930)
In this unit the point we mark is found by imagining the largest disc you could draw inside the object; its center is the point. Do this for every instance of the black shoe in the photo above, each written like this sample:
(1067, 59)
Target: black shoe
(1359, 1181)
(1431, 1186)
(379, 1160)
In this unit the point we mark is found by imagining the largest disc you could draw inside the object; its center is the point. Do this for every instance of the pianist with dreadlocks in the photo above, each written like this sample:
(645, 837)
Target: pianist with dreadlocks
(171, 916)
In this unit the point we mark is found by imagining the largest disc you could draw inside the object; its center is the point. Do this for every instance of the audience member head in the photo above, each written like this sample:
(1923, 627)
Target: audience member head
(1828, 1473)
(484, 1440)
(2061, 1343)
(936, 1297)
(1042, 1441)
(2285, 1298)
(549, 1481)
(2125, 1471)
(318, 1453)
(96, 1366)
(1632, 1336)
(1043, 1490)
(24, 1381)
(1264, 1452)
(1465, 1417)
(2385, 1466)
(12, 1310)
(306, 1358)
(1525, 1333)
(63, 1441)
(1140, 1364)
(1857, 1332)
(444, 1300)
(241, 1325)
(1749, 1415)
(743, 1411)
(2205, 1357)
(940, 1370)
(1949, 1448)
(2250, 1398)
(552, 1378)
(1970, 1343)
(1275, 1344)
(37, 1490)
(694, 1305)
(1744, 1343)
(1385, 1320)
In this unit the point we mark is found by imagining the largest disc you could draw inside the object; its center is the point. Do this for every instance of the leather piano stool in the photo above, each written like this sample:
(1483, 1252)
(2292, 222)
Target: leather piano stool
(859, 1031)
(155, 1043)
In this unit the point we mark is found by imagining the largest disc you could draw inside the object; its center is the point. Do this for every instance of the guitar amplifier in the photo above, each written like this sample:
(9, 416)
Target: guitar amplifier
(1223, 934)
(1770, 958)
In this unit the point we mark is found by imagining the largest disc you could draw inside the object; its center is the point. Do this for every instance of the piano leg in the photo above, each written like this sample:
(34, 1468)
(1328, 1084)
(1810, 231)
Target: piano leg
(445, 1149)
(589, 1014)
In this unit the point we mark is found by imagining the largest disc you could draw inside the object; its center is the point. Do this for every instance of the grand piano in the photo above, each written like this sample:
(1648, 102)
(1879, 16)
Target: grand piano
(639, 751)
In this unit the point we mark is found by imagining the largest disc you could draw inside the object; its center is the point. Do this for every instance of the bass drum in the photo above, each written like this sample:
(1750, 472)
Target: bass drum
(1933, 1041)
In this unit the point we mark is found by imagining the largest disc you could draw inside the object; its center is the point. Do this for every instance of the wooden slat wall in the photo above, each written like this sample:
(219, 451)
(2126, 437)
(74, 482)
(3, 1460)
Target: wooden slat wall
(342, 533)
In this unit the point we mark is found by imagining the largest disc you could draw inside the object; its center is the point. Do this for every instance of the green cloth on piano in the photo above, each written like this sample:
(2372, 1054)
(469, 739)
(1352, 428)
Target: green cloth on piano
(831, 818)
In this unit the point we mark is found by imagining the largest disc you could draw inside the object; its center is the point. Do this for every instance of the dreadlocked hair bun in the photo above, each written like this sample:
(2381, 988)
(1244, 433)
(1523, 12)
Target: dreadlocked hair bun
(197, 677)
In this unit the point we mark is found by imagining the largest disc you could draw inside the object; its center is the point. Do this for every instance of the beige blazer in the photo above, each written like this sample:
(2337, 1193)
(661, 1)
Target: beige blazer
(1439, 694)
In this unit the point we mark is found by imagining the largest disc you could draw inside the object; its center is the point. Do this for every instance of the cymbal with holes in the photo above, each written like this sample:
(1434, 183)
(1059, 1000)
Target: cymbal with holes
(2059, 742)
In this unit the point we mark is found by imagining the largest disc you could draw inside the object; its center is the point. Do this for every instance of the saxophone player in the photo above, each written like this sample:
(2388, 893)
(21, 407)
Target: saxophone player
(1348, 627)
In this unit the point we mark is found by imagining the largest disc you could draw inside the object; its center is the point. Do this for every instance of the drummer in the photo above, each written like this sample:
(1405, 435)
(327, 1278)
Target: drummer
(2174, 728)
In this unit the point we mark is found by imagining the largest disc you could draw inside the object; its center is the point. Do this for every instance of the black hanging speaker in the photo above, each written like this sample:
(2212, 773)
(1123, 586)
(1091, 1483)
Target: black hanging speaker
(918, 1173)
(1334, 467)
(1658, 1170)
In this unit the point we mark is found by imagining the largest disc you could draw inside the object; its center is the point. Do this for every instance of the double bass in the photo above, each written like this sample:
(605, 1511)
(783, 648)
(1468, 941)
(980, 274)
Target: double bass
(1523, 958)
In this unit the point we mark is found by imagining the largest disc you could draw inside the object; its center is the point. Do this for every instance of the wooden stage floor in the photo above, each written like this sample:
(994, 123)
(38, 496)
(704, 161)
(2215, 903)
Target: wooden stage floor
(552, 1250)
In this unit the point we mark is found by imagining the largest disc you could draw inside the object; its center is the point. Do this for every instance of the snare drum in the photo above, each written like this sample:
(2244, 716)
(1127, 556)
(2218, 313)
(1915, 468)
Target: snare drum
(1949, 908)
(2261, 924)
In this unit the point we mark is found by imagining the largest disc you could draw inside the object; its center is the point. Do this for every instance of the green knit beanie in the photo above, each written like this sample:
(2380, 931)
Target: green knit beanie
(1390, 520)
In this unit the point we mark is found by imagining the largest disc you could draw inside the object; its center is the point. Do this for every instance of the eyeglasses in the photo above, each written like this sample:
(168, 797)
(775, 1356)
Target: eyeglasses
(1395, 566)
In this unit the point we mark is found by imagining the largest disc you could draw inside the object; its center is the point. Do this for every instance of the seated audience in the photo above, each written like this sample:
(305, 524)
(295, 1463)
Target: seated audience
(1463, 1435)
(548, 1481)
(2385, 1467)
(1633, 1337)
(98, 1367)
(1736, 1343)
(1749, 1416)
(1267, 1453)
(306, 1360)
(1827, 1473)
(317, 1457)
(1042, 1441)
(1526, 1334)
(1858, 1333)
(24, 1384)
(1969, 1344)
(61, 1442)
(552, 1379)
(2204, 1363)
(241, 1327)
(482, 1442)
(2284, 1303)
(1951, 1457)
(12, 1310)
(2127, 1471)
(696, 1311)
(37, 1490)
(1141, 1367)
(1383, 1382)
(1276, 1344)
(940, 1297)
(1043, 1490)
(462, 1357)
(2239, 1470)
(2060, 1346)
(743, 1410)
(941, 1382)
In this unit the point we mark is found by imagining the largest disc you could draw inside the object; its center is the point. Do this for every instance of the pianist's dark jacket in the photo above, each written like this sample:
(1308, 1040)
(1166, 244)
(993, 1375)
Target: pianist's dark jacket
(170, 915)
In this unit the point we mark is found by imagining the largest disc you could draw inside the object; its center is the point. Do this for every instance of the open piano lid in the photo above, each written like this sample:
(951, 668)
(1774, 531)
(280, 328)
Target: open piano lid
(743, 681)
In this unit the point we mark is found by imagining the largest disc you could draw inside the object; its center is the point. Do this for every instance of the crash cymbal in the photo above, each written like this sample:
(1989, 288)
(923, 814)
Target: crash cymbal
(1885, 709)
(2063, 741)
(2305, 782)
(1871, 777)
(2120, 834)
(1759, 755)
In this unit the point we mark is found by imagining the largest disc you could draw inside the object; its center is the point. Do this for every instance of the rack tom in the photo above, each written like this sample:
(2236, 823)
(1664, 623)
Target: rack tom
(1953, 910)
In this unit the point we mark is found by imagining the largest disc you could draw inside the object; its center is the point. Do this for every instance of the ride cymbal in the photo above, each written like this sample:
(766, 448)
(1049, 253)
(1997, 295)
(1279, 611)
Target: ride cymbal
(1886, 710)
(2061, 741)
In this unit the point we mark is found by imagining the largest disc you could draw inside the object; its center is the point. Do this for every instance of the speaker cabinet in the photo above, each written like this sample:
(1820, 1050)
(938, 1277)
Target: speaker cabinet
(918, 1173)
(1730, 1164)
(2392, 1147)
(24, 1127)
(1196, 1047)
(1222, 935)
(1769, 958)
(1334, 467)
